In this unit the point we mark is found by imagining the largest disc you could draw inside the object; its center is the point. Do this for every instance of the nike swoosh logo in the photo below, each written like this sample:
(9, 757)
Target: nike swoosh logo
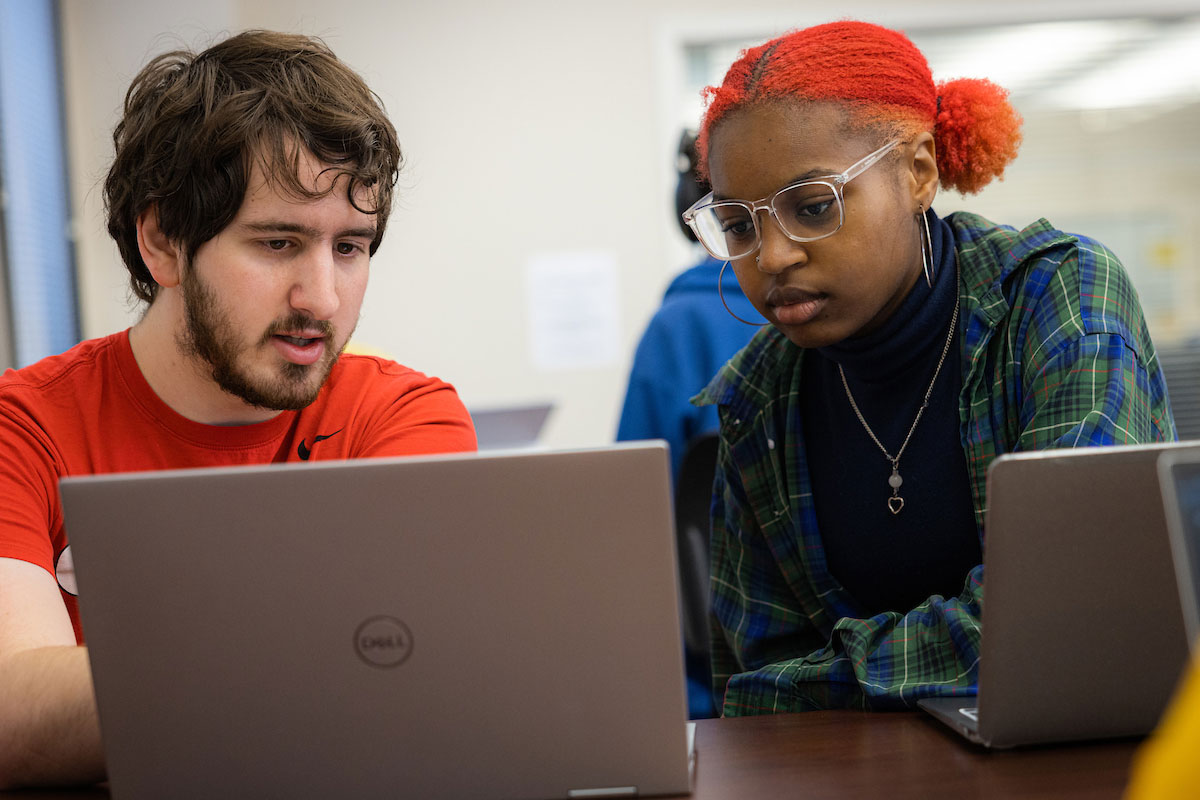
(304, 451)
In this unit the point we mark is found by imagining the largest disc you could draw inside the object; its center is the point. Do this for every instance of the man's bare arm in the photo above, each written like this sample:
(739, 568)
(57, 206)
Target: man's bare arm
(48, 723)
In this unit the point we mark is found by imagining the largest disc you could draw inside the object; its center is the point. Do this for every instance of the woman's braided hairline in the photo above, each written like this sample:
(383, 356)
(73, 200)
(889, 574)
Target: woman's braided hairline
(885, 85)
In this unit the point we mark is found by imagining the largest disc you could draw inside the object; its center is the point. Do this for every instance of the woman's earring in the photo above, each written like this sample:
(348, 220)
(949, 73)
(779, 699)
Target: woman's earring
(720, 278)
(926, 251)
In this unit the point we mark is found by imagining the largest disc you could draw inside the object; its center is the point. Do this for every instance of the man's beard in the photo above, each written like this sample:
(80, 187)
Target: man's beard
(209, 336)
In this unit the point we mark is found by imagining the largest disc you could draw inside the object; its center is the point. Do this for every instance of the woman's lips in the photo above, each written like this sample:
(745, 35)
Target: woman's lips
(794, 306)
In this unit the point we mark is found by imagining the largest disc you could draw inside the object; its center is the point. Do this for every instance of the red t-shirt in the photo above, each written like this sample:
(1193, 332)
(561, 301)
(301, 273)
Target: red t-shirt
(90, 411)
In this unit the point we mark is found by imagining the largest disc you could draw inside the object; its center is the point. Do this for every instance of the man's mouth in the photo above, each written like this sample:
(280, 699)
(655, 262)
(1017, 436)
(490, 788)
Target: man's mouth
(300, 347)
(299, 341)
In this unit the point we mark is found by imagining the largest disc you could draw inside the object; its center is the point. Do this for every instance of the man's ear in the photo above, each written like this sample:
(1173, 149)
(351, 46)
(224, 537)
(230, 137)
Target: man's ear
(924, 171)
(163, 257)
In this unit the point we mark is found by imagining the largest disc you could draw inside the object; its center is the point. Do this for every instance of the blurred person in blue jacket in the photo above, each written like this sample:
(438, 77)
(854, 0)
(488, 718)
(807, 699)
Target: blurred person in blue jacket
(689, 338)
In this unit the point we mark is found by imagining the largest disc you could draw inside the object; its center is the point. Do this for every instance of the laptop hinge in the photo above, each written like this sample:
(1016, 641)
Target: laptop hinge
(607, 791)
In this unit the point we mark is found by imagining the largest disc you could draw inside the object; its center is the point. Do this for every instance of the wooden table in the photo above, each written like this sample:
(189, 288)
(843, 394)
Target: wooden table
(847, 754)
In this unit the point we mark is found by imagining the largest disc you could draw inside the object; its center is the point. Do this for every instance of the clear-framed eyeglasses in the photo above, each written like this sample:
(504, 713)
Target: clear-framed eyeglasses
(805, 211)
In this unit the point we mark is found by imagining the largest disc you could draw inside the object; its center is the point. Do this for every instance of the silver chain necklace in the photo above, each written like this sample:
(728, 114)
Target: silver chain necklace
(896, 502)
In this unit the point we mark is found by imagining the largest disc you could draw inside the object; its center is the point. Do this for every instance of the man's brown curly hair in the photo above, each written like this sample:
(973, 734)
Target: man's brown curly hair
(195, 124)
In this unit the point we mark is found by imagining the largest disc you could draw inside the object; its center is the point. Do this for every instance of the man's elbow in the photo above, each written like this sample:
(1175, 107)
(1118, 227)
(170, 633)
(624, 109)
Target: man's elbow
(23, 765)
(23, 770)
(16, 771)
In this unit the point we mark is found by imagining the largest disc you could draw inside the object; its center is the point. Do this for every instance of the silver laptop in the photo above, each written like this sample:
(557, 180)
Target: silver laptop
(499, 626)
(509, 427)
(1179, 474)
(1083, 636)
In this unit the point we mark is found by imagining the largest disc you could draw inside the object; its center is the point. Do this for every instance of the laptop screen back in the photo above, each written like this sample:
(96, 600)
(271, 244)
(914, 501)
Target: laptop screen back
(438, 627)
(1078, 582)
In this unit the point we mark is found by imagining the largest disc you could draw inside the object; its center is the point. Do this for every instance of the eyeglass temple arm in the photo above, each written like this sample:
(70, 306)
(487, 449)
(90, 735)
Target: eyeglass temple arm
(867, 162)
(703, 201)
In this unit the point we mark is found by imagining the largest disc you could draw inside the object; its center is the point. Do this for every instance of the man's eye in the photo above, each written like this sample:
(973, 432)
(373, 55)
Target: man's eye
(277, 244)
(348, 248)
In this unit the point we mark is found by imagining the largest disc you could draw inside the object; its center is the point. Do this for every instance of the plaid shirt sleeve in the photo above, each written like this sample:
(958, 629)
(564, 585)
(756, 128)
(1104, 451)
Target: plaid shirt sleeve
(1058, 357)
(1088, 371)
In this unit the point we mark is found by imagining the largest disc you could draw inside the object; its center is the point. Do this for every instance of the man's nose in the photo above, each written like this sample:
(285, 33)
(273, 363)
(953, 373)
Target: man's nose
(315, 288)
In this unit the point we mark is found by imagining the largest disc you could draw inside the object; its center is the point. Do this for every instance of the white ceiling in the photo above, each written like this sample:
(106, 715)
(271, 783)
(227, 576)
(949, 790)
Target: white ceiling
(1084, 64)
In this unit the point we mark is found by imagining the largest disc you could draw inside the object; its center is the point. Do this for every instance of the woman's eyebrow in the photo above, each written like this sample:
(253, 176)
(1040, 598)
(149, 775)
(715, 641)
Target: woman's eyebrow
(812, 174)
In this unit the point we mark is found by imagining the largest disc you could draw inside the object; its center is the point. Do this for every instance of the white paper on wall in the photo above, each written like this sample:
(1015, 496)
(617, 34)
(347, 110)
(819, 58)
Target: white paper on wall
(574, 310)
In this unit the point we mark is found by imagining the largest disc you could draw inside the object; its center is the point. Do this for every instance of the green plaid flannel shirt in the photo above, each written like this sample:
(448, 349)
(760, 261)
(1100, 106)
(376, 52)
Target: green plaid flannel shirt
(1055, 353)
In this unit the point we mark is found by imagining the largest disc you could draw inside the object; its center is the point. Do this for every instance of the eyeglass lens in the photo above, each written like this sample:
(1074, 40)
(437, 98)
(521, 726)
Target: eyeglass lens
(805, 211)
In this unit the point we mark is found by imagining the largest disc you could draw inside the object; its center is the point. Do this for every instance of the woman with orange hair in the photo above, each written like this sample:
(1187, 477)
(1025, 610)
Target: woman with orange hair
(905, 351)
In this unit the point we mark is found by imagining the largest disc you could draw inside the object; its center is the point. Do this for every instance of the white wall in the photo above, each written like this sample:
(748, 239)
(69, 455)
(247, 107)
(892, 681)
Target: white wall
(532, 127)
(104, 45)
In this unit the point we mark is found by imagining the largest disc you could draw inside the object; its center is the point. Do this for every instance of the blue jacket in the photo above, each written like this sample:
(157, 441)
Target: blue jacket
(688, 340)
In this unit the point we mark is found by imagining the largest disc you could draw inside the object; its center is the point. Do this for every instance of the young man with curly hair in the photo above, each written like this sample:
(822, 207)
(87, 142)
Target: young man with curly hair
(251, 185)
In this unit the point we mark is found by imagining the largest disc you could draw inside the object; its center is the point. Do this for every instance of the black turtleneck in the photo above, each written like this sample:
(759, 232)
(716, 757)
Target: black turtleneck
(891, 562)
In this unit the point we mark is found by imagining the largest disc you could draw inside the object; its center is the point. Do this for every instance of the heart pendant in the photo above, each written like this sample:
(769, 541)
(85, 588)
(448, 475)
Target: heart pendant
(895, 503)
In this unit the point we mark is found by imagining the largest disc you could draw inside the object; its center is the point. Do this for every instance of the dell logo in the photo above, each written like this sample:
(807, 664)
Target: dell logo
(383, 642)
